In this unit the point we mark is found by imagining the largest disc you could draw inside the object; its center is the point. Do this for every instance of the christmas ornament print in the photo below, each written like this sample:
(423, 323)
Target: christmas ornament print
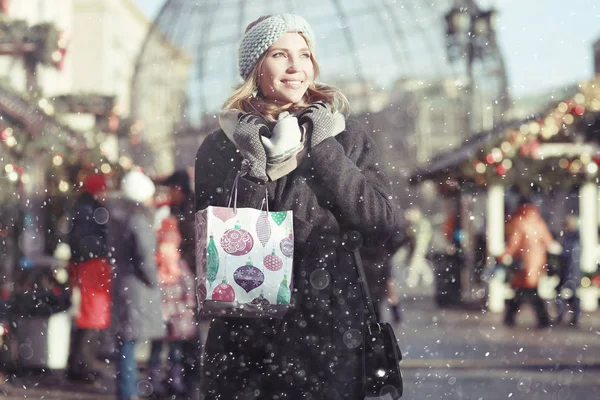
(223, 292)
(224, 214)
(212, 261)
(237, 241)
(263, 228)
(248, 277)
(278, 217)
(287, 246)
(283, 296)
(261, 300)
(272, 262)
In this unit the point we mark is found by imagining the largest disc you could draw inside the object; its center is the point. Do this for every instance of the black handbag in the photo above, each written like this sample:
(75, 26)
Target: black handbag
(382, 376)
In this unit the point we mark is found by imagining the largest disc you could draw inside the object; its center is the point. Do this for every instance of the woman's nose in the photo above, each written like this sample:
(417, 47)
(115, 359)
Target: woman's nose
(292, 65)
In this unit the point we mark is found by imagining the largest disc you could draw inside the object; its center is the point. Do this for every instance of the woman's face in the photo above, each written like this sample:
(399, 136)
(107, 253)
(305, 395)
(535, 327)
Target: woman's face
(287, 70)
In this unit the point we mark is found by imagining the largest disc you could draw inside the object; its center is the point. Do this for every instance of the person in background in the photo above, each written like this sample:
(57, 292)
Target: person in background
(419, 230)
(136, 299)
(285, 133)
(178, 305)
(91, 272)
(570, 272)
(528, 241)
(379, 271)
(182, 208)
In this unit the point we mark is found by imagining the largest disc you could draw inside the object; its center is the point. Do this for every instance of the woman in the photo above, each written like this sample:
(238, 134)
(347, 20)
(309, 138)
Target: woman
(136, 311)
(528, 242)
(283, 131)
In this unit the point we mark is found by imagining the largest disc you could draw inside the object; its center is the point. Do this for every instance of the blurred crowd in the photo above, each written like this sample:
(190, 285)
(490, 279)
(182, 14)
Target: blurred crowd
(132, 262)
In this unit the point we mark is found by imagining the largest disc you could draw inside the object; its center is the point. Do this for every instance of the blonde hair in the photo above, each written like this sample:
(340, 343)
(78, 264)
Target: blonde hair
(247, 97)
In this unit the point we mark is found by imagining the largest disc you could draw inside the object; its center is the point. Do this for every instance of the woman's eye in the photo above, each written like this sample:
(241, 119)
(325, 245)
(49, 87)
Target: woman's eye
(305, 55)
(279, 54)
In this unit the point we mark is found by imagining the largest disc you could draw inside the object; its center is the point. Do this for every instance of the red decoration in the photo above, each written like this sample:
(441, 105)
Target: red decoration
(237, 241)
(223, 292)
(579, 109)
(272, 262)
(500, 170)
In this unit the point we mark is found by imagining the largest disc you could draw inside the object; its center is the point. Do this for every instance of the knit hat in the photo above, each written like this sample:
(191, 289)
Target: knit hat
(262, 35)
(94, 183)
(136, 186)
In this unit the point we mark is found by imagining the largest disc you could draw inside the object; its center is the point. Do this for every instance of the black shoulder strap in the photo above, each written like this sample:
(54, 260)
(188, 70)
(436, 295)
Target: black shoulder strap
(352, 241)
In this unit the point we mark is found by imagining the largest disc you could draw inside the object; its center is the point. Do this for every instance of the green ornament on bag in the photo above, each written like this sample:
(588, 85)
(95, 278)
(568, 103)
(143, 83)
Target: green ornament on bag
(212, 261)
(283, 296)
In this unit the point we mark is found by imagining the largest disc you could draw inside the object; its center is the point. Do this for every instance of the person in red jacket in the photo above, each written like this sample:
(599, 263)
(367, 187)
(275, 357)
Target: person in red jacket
(91, 273)
(528, 242)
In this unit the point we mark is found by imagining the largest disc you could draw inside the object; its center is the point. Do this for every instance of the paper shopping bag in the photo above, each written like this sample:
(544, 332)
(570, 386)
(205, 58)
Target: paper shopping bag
(244, 261)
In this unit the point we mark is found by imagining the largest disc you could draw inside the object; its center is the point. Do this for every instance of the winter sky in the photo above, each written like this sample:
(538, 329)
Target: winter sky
(546, 43)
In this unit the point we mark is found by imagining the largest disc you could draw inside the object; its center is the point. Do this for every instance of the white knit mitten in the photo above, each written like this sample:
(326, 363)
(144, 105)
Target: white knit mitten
(284, 141)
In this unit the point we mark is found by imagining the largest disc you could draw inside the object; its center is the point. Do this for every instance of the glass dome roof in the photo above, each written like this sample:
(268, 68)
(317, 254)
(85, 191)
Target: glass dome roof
(389, 57)
(365, 45)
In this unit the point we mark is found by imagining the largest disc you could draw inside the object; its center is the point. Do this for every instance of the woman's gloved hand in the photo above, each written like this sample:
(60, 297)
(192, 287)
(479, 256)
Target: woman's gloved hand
(285, 140)
(319, 118)
(247, 135)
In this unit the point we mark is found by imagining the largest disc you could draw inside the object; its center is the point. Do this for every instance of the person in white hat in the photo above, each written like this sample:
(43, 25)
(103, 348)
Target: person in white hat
(136, 298)
(284, 131)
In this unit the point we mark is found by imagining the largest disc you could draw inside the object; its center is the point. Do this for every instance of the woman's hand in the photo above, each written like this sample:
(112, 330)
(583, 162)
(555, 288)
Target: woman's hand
(319, 118)
(247, 135)
(285, 140)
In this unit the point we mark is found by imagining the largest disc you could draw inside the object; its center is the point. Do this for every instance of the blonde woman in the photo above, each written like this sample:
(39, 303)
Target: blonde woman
(284, 131)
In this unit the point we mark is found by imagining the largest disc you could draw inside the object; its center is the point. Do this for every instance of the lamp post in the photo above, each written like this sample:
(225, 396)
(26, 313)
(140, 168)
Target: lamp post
(470, 35)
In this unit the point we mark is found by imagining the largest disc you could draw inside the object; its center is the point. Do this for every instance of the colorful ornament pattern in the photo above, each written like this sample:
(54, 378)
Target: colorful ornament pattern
(237, 241)
(261, 300)
(223, 292)
(278, 217)
(272, 262)
(224, 214)
(287, 246)
(284, 295)
(212, 261)
(263, 228)
(248, 277)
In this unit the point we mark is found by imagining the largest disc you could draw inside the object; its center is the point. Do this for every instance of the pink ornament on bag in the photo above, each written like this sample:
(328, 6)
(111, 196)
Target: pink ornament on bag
(224, 214)
(272, 262)
(237, 241)
(223, 292)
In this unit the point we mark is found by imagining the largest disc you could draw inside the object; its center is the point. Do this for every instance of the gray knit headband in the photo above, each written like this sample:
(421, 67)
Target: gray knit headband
(262, 35)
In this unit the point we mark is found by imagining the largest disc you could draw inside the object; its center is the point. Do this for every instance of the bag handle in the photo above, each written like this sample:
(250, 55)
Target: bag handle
(234, 193)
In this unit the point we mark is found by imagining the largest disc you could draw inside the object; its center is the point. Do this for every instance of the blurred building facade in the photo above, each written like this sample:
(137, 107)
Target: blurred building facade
(104, 38)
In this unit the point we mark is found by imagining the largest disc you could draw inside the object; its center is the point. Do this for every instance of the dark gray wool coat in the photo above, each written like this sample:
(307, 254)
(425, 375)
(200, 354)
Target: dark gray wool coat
(315, 351)
(136, 298)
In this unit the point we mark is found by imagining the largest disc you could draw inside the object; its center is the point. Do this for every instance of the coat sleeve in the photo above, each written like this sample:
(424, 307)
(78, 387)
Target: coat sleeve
(144, 249)
(217, 164)
(350, 168)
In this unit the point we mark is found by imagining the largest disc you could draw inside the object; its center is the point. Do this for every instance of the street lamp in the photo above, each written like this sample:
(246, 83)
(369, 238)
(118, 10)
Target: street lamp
(470, 34)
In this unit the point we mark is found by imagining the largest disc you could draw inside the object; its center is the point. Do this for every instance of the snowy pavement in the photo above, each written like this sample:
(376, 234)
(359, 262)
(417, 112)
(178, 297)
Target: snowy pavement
(448, 354)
